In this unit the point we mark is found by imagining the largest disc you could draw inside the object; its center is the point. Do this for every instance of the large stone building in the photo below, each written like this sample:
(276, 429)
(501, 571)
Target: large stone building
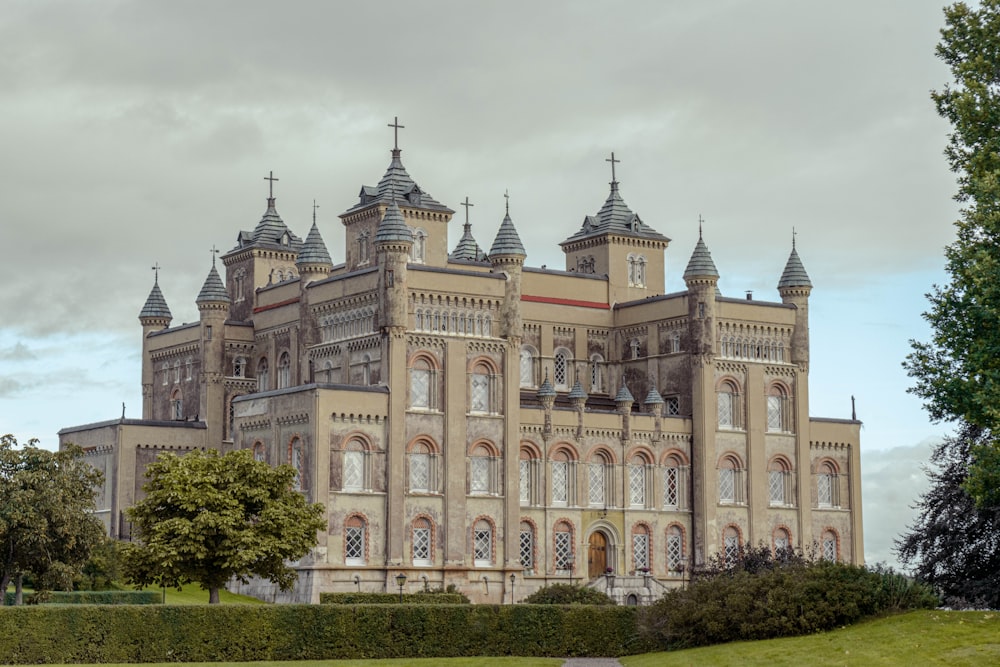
(469, 420)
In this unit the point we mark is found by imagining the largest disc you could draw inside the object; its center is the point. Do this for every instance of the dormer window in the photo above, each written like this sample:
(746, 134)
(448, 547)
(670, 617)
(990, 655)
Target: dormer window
(284, 239)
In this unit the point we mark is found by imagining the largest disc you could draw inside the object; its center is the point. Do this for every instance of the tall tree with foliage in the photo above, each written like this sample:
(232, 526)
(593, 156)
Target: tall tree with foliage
(955, 546)
(957, 372)
(47, 524)
(208, 518)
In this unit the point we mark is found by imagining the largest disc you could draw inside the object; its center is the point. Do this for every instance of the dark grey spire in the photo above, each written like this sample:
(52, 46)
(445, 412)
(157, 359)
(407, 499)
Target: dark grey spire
(577, 391)
(701, 263)
(653, 397)
(156, 305)
(624, 395)
(467, 249)
(313, 250)
(392, 228)
(507, 242)
(795, 274)
(213, 291)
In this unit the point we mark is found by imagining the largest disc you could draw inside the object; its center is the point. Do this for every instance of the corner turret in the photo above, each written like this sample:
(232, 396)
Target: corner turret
(213, 305)
(313, 262)
(393, 244)
(702, 280)
(507, 256)
(794, 288)
(154, 316)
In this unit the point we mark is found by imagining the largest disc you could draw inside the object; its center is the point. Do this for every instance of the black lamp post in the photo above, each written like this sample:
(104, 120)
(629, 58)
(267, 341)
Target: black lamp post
(400, 581)
(512, 578)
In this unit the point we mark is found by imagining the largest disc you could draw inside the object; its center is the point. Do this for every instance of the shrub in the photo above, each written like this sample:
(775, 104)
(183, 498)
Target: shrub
(90, 597)
(429, 597)
(567, 594)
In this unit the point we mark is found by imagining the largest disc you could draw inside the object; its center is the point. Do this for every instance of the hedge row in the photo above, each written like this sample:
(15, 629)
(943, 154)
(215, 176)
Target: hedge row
(92, 597)
(392, 598)
(242, 633)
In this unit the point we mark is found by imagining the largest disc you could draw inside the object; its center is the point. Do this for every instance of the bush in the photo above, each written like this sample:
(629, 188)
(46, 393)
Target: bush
(90, 597)
(429, 597)
(776, 600)
(245, 633)
(567, 594)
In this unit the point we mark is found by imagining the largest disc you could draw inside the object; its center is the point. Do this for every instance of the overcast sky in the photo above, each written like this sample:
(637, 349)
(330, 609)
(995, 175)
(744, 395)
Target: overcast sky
(135, 133)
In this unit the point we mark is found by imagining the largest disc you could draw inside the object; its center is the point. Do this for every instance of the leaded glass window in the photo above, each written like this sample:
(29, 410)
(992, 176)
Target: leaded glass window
(675, 549)
(560, 370)
(637, 485)
(527, 547)
(824, 489)
(776, 487)
(640, 550)
(420, 388)
(727, 485)
(563, 548)
(671, 487)
(775, 404)
(725, 410)
(524, 481)
(731, 546)
(480, 392)
(482, 539)
(354, 471)
(829, 546)
(596, 486)
(421, 545)
(672, 406)
(354, 542)
(781, 540)
(420, 472)
(479, 471)
(560, 482)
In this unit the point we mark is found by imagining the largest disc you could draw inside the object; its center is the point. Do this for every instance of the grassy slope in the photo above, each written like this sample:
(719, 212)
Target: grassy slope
(192, 594)
(916, 638)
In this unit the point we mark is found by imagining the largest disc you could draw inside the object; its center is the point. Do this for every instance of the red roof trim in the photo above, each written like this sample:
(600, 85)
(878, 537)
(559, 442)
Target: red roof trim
(565, 302)
(261, 309)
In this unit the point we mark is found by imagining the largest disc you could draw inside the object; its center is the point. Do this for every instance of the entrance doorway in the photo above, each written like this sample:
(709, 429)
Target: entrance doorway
(598, 555)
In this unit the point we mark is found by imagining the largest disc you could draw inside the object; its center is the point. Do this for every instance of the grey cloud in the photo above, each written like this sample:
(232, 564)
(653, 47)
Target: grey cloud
(17, 352)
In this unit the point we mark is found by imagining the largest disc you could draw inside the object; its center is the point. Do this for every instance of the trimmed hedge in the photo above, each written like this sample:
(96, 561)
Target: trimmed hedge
(392, 598)
(243, 633)
(93, 597)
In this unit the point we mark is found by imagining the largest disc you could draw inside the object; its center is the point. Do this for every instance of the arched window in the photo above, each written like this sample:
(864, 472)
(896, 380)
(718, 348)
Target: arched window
(259, 453)
(560, 368)
(630, 261)
(527, 366)
(731, 481)
(423, 384)
(633, 346)
(263, 377)
(598, 473)
(675, 342)
(674, 483)
(188, 368)
(297, 459)
(563, 478)
(782, 541)
(482, 543)
(731, 545)
(362, 239)
(165, 369)
(177, 371)
(355, 540)
(483, 471)
(778, 409)
(637, 481)
(482, 390)
(423, 533)
(357, 466)
(640, 548)
(779, 482)
(728, 396)
(366, 369)
(284, 371)
(830, 546)
(423, 462)
(176, 405)
(239, 367)
(596, 374)
(419, 246)
(528, 465)
(827, 485)
(563, 548)
(675, 548)
(527, 547)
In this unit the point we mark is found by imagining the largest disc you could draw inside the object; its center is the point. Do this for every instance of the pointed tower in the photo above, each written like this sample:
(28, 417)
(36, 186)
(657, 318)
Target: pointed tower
(702, 280)
(794, 288)
(154, 316)
(427, 216)
(393, 244)
(264, 256)
(507, 256)
(467, 249)
(213, 305)
(616, 242)
(313, 262)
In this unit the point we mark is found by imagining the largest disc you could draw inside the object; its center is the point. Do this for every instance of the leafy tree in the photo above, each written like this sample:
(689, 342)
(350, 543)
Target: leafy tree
(47, 526)
(957, 372)
(208, 518)
(955, 546)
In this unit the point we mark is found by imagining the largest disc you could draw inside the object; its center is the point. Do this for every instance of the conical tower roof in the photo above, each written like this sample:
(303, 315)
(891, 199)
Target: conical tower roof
(213, 291)
(577, 391)
(701, 263)
(795, 274)
(156, 305)
(392, 228)
(467, 249)
(313, 250)
(624, 395)
(653, 397)
(507, 242)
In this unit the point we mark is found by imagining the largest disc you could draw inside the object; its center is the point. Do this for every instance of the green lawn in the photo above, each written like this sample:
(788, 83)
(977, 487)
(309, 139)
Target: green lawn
(193, 594)
(396, 662)
(917, 638)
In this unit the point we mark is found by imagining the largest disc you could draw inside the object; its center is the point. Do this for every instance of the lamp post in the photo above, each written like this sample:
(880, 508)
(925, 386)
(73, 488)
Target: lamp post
(512, 578)
(400, 581)
(570, 562)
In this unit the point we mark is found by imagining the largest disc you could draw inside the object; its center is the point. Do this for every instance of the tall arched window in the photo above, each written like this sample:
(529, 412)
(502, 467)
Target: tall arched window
(366, 369)
(297, 459)
(640, 548)
(239, 367)
(731, 545)
(482, 389)
(728, 397)
(188, 368)
(284, 371)
(259, 453)
(778, 409)
(355, 540)
(637, 481)
(528, 465)
(779, 482)
(563, 478)
(165, 370)
(526, 547)
(357, 466)
(598, 473)
(596, 374)
(423, 384)
(731, 482)
(483, 471)
(527, 366)
(363, 255)
(176, 405)
(827, 485)
(419, 246)
(563, 547)
(674, 482)
(263, 376)
(782, 540)
(482, 543)
(422, 540)
(423, 475)
(675, 548)
(830, 545)
(177, 371)
(560, 368)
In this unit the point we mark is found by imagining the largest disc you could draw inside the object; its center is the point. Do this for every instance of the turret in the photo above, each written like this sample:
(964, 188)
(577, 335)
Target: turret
(213, 306)
(702, 280)
(313, 262)
(154, 316)
(393, 244)
(794, 288)
(507, 256)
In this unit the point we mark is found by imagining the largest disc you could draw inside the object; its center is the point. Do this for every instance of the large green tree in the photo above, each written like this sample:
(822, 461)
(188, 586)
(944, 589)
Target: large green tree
(208, 518)
(47, 525)
(957, 372)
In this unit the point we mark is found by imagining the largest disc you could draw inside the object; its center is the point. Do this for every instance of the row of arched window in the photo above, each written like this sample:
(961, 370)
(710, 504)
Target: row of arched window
(733, 347)
(730, 407)
(484, 389)
(781, 539)
(563, 375)
(453, 321)
(636, 270)
(173, 372)
(781, 489)
(356, 322)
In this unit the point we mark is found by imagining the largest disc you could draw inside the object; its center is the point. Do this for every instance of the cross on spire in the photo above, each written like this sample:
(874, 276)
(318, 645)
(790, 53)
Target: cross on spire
(214, 252)
(506, 195)
(315, 206)
(612, 160)
(270, 188)
(793, 248)
(396, 127)
(156, 272)
(700, 221)
(466, 204)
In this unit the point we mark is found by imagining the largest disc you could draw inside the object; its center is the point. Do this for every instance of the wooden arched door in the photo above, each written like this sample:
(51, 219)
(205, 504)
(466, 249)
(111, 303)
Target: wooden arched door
(597, 559)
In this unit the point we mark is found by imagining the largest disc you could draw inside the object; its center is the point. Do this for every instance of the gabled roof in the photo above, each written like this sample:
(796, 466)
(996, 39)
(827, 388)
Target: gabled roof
(313, 250)
(701, 263)
(156, 305)
(213, 290)
(795, 274)
(393, 228)
(615, 217)
(507, 242)
(397, 183)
